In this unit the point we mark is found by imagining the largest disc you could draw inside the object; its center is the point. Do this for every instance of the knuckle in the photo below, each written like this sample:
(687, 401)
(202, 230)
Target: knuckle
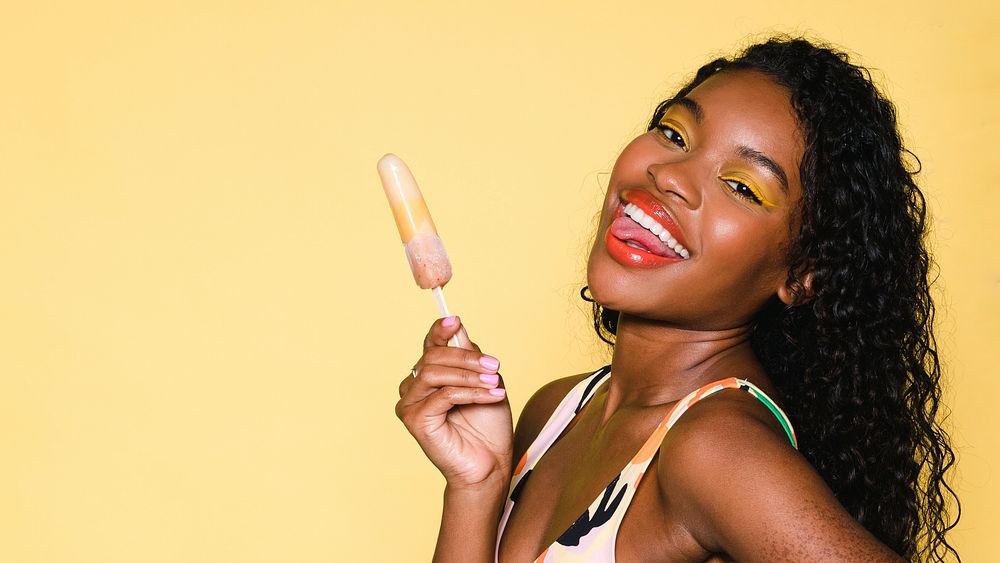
(472, 356)
(431, 356)
(438, 329)
(408, 417)
(429, 375)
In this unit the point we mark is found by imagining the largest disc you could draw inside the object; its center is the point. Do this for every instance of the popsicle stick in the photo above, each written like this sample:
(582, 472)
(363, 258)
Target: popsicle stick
(443, 309)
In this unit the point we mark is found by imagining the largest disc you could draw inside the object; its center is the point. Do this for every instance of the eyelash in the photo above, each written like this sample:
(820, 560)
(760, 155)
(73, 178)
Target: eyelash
(743, 190)
(666, 129)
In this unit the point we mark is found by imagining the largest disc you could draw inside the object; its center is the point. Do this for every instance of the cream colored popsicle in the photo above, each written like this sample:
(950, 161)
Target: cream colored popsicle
(424, 248)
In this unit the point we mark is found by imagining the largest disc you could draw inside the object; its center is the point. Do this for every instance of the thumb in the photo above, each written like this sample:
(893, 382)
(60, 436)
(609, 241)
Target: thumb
(463, 340)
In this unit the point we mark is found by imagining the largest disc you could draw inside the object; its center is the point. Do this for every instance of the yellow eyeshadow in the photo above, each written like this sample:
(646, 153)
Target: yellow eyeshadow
(763, 200)
(664, 122)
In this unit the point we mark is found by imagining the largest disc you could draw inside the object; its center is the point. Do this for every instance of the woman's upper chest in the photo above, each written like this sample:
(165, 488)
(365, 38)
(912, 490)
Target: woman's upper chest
(556, 500)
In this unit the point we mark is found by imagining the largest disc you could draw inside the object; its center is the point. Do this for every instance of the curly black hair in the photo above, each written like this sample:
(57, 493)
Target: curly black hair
(855, 360)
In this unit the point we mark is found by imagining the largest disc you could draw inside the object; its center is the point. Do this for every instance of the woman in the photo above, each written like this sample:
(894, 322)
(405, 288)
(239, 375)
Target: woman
(760, 245)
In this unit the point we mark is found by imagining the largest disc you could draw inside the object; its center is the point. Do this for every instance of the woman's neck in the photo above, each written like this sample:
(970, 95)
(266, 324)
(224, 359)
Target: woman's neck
(654, 364)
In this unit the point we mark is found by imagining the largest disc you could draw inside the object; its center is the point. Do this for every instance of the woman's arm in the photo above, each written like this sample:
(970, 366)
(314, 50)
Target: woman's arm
(741, 489)
(469, 522)
(457, 410)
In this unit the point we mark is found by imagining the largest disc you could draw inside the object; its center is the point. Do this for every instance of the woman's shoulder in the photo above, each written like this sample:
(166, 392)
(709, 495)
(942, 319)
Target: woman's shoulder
(729, 421)
(539, 408)
(726, 429)
(731, 413)
(727, 458)
(721, 443)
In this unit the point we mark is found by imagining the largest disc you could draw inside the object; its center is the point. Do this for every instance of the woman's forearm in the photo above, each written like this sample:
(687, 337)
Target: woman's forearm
(469, 524)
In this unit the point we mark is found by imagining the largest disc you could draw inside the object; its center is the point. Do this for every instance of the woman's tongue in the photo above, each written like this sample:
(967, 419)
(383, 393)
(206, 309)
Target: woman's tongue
(626, 229)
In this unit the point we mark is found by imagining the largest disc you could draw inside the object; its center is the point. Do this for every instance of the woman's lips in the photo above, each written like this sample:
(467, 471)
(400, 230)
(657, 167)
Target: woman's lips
(633, 245)
(627, 230)
(648, 204)
(623, 230)
(627, 255)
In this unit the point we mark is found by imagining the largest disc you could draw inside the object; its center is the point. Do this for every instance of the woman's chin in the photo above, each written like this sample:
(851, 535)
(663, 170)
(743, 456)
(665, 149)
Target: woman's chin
(604, 285)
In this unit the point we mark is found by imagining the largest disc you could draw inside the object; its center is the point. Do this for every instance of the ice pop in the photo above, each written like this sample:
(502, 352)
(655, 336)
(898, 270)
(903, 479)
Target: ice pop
(424, 248)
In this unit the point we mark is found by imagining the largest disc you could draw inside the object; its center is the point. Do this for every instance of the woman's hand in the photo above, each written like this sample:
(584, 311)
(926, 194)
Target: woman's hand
(457, 409)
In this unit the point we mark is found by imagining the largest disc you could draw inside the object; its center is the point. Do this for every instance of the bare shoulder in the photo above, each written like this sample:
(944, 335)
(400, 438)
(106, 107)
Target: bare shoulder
(539, 408)
(729, 471)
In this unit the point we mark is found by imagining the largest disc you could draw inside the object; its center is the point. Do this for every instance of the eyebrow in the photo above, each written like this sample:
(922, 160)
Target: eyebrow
(693, 107)
(764, 161)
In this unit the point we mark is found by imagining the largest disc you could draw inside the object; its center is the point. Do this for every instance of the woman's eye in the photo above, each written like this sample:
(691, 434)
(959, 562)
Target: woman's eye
(743, 190)
(672, 135)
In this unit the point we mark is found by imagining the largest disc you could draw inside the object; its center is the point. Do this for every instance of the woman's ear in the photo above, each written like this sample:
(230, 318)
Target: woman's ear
(797, 290)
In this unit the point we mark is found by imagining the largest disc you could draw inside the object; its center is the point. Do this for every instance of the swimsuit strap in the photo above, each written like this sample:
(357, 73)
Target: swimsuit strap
(571, 404)
(710, 389)
(574, 401)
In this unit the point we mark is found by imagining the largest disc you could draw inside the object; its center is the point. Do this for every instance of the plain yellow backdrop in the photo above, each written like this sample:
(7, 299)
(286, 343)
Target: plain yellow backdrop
(204, 307)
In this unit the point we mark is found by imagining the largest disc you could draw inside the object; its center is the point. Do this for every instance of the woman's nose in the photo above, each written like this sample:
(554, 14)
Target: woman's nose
(673, 179)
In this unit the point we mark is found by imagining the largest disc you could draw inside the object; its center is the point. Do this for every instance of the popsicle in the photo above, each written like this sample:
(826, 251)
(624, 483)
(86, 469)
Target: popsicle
(424, 248)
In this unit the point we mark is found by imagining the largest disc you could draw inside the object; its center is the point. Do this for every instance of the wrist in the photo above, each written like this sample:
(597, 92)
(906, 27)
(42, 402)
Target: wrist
(496, 485)
(469, 521)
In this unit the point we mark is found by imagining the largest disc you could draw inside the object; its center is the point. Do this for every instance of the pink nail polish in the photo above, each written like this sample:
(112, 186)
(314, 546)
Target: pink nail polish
(489, 362)
(489, 379)
(499, 391)
(450, 321)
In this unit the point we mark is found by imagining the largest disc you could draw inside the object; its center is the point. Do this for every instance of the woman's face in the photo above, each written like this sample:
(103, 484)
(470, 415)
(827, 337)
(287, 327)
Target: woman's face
(715, 189)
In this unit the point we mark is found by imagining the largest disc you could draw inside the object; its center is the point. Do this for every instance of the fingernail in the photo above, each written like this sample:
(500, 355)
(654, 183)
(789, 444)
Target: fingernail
(499, 391)
(450, 321)
(489, 379)
(489, 362)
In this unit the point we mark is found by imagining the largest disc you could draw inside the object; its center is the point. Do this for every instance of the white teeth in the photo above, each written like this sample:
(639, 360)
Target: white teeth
(656, 228)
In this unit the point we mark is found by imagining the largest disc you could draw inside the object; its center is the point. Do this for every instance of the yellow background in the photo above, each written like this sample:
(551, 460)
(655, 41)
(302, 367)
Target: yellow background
(204, 307)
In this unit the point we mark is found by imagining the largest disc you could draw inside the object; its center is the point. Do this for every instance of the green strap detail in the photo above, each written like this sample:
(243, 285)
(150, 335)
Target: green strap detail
(775, 410)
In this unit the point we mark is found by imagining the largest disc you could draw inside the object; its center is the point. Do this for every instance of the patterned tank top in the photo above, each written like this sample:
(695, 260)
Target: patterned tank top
(592, 537)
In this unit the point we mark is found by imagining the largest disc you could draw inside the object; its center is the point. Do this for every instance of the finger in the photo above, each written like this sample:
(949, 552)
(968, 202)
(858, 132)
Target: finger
(471, 370)
(458, 358)
(437, 377)
(463, 340)
(405, 384)
(438, 403)
(441, 376)
(441, 331)
(433, 377)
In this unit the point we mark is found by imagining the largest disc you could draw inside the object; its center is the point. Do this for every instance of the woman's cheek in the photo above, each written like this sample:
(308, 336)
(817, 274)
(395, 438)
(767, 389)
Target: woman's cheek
(741, 249)
(726, 237)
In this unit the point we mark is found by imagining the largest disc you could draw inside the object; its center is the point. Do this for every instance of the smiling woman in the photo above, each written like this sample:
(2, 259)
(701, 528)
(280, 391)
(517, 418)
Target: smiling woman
(691, 174)
(759, 253)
